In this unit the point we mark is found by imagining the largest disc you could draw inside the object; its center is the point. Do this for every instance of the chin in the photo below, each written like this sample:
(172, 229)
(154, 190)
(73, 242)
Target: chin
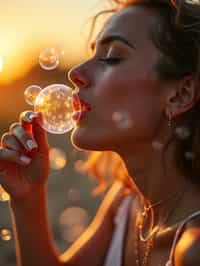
(84, 139)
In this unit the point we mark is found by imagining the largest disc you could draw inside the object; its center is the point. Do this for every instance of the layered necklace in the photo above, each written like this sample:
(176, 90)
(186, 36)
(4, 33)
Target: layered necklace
(145, 241)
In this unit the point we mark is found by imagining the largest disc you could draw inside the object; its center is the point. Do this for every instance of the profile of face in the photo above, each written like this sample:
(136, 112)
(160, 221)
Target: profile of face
(120, 83)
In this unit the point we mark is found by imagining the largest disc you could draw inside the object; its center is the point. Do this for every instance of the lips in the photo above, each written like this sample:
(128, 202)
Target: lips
(79, 104)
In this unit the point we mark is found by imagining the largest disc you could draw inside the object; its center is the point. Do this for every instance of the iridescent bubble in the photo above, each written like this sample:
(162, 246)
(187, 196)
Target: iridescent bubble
(73, 221)
(31, 93)
(5, 234)
(4, 196)
(122, 120)
(57, 158)
(56, 103)
(49, 58)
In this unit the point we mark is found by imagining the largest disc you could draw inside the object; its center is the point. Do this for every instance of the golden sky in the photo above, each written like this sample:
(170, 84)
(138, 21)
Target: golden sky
(29, 26)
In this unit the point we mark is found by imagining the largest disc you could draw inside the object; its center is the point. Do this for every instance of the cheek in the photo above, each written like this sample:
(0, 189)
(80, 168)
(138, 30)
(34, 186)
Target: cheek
(110, 95)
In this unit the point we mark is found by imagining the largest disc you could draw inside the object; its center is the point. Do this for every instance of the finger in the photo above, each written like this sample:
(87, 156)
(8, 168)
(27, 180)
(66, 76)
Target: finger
(39, 133)
(10, 142)
(23, 136)
(35, 120)
(14, 156)
(26, 119)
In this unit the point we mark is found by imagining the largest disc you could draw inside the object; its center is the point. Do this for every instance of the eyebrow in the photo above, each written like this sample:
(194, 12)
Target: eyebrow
(110, 39)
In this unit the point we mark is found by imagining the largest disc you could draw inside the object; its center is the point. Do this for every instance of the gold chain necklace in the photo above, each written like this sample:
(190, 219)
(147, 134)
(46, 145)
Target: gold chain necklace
(149, 239)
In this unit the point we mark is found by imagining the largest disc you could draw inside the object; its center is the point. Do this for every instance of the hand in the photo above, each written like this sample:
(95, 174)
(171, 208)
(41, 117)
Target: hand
(24, 157)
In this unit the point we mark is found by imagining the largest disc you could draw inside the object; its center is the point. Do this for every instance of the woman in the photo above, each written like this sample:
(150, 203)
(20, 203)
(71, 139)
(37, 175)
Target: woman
(142, 87)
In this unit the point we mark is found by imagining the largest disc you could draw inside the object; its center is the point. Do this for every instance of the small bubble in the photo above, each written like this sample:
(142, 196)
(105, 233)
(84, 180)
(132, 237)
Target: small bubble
(182, 132)
(49, 59)
(31, 93)
(122, 120)
(59, 50)
(5, 234)
(57, 158)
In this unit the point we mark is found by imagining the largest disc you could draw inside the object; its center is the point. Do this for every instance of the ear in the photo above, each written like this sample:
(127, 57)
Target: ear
(183, 96)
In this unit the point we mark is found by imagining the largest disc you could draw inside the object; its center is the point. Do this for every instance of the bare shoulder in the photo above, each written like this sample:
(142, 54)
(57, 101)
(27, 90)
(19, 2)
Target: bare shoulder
(187, 251)
(91, 247)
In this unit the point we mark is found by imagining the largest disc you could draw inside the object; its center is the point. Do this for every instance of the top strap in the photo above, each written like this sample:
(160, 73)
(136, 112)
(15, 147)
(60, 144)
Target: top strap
(179, 231)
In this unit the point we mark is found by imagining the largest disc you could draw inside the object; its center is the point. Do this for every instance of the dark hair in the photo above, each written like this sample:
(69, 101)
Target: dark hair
(177, 36)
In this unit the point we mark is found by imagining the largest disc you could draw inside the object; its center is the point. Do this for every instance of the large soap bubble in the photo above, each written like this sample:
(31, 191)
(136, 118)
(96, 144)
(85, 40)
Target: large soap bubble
(58, 104)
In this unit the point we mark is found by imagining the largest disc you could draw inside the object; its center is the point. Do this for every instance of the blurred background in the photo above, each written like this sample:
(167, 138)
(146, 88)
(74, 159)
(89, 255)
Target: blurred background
(28, 29)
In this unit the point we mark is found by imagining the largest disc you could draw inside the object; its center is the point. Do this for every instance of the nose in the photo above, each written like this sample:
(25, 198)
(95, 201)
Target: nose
(77, 77)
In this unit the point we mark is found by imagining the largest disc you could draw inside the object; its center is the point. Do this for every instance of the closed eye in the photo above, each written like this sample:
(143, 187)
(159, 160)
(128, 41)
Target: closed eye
(110, 60)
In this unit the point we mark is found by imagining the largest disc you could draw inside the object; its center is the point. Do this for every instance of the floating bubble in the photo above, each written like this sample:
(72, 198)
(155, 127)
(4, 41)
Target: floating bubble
(182, 132)
(31, 93)
(58, 104)
(49, 58)
(4, 196)
(122, 120)
(73, 221)
(57, 158)
(5, 234)
(59, 50)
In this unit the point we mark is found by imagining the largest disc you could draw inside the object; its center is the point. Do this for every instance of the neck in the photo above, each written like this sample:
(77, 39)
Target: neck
(160, 180)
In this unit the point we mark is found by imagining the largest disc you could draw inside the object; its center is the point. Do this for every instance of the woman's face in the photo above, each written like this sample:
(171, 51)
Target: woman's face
(124, 92)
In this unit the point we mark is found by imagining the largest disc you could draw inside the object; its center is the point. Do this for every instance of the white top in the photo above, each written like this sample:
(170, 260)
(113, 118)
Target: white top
(114, 254)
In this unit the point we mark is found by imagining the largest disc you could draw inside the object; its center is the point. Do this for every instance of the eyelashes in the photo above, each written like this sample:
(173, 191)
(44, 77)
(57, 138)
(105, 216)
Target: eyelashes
(110, 60)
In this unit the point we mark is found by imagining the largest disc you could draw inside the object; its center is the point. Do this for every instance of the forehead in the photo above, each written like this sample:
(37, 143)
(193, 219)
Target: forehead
(133, 23)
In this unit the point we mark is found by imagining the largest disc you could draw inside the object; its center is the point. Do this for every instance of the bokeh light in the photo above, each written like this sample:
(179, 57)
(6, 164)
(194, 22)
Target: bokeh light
(5, 234)
(73, 221)
(4, 196)
(58, 158)
(122, 120)
(182, 132)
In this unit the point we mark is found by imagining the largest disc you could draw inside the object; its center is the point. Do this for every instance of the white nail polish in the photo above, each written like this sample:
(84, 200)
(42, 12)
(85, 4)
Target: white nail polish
(31, 144)
(31, 116)
(25, 159)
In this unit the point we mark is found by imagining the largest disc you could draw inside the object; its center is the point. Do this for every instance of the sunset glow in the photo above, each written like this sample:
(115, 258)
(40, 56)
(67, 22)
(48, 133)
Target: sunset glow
(1, 63)
(26, 29)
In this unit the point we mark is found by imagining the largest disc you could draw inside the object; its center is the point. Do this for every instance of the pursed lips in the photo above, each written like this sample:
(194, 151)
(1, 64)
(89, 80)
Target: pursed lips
(79, 104)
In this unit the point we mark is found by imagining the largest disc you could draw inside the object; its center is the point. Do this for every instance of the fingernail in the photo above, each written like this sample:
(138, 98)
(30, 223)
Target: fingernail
(25, 159)
(31, 144)
(31, 116)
